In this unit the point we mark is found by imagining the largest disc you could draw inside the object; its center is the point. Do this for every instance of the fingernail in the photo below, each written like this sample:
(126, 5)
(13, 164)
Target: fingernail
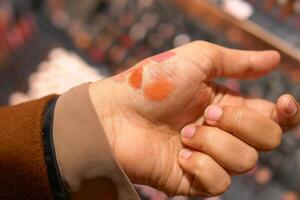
(291, 107)
(188, 131)
(213, 113)
(184, 153)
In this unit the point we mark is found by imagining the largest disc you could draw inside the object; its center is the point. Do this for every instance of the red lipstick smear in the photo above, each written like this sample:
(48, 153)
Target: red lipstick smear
(159, 90)
(163, 56)
(136, 78)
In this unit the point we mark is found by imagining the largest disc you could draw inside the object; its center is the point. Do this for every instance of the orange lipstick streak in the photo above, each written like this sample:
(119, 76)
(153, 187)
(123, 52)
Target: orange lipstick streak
(159, 90)
(136, 78)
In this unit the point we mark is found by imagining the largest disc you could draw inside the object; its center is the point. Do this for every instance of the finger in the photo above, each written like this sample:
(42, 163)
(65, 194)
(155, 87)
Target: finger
(218, 144)
(233, 98)
(278, 112)
(251, 127)
(231, 63)
(287, 111)
(210, 179)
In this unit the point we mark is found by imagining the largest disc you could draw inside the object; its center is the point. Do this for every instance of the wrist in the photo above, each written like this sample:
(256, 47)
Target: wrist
(110, 104)
(80, 144)
(105, 100)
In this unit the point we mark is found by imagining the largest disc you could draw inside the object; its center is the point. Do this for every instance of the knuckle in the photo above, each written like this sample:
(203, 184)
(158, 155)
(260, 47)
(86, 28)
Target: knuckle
(206, 61)
(221, 182)
(238, 118)
(197, 140)
(200, 43)
(221, 186)
(208, 138)
(210, 48)
(224, 185)
(202, 165)
(275, 138)
(211, 56)
(249, 160)
(248, 67)
(203, 138)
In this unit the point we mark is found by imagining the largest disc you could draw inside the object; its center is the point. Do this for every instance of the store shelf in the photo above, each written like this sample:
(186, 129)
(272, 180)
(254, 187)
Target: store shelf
(245, 33)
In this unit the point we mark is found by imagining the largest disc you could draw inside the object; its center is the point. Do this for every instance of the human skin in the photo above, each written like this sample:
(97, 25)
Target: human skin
(171, 127)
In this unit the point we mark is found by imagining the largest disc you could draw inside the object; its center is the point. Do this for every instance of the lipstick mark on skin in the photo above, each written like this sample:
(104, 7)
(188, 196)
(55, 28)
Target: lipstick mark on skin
(119, 78)
(163, 56)
(136, 78)
(159, 90)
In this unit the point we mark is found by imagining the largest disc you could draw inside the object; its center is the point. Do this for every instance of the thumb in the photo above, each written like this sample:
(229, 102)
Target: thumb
(231, 63)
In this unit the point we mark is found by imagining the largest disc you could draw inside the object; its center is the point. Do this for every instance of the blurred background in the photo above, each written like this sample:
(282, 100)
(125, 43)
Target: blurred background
(48, 46)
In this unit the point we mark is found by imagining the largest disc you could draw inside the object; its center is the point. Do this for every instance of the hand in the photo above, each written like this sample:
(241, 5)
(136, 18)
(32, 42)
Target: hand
(144, 109)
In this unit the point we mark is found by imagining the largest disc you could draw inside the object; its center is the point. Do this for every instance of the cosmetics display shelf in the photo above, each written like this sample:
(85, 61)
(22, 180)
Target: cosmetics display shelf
(112, 35)
(248, 33)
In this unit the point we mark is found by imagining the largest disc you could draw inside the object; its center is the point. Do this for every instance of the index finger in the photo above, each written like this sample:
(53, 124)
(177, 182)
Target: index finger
(278, 112)
(286, 111)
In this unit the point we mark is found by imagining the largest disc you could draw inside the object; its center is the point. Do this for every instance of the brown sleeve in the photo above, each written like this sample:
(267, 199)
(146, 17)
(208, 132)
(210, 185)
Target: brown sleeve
(23, 173)
(78, 135)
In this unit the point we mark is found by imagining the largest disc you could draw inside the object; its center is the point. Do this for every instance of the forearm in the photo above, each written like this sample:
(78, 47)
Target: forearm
(23, 169)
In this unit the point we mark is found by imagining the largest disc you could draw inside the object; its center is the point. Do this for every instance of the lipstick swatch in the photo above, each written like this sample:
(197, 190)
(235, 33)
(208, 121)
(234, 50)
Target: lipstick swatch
(163, 56)
(136, 78)
(159, 90)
